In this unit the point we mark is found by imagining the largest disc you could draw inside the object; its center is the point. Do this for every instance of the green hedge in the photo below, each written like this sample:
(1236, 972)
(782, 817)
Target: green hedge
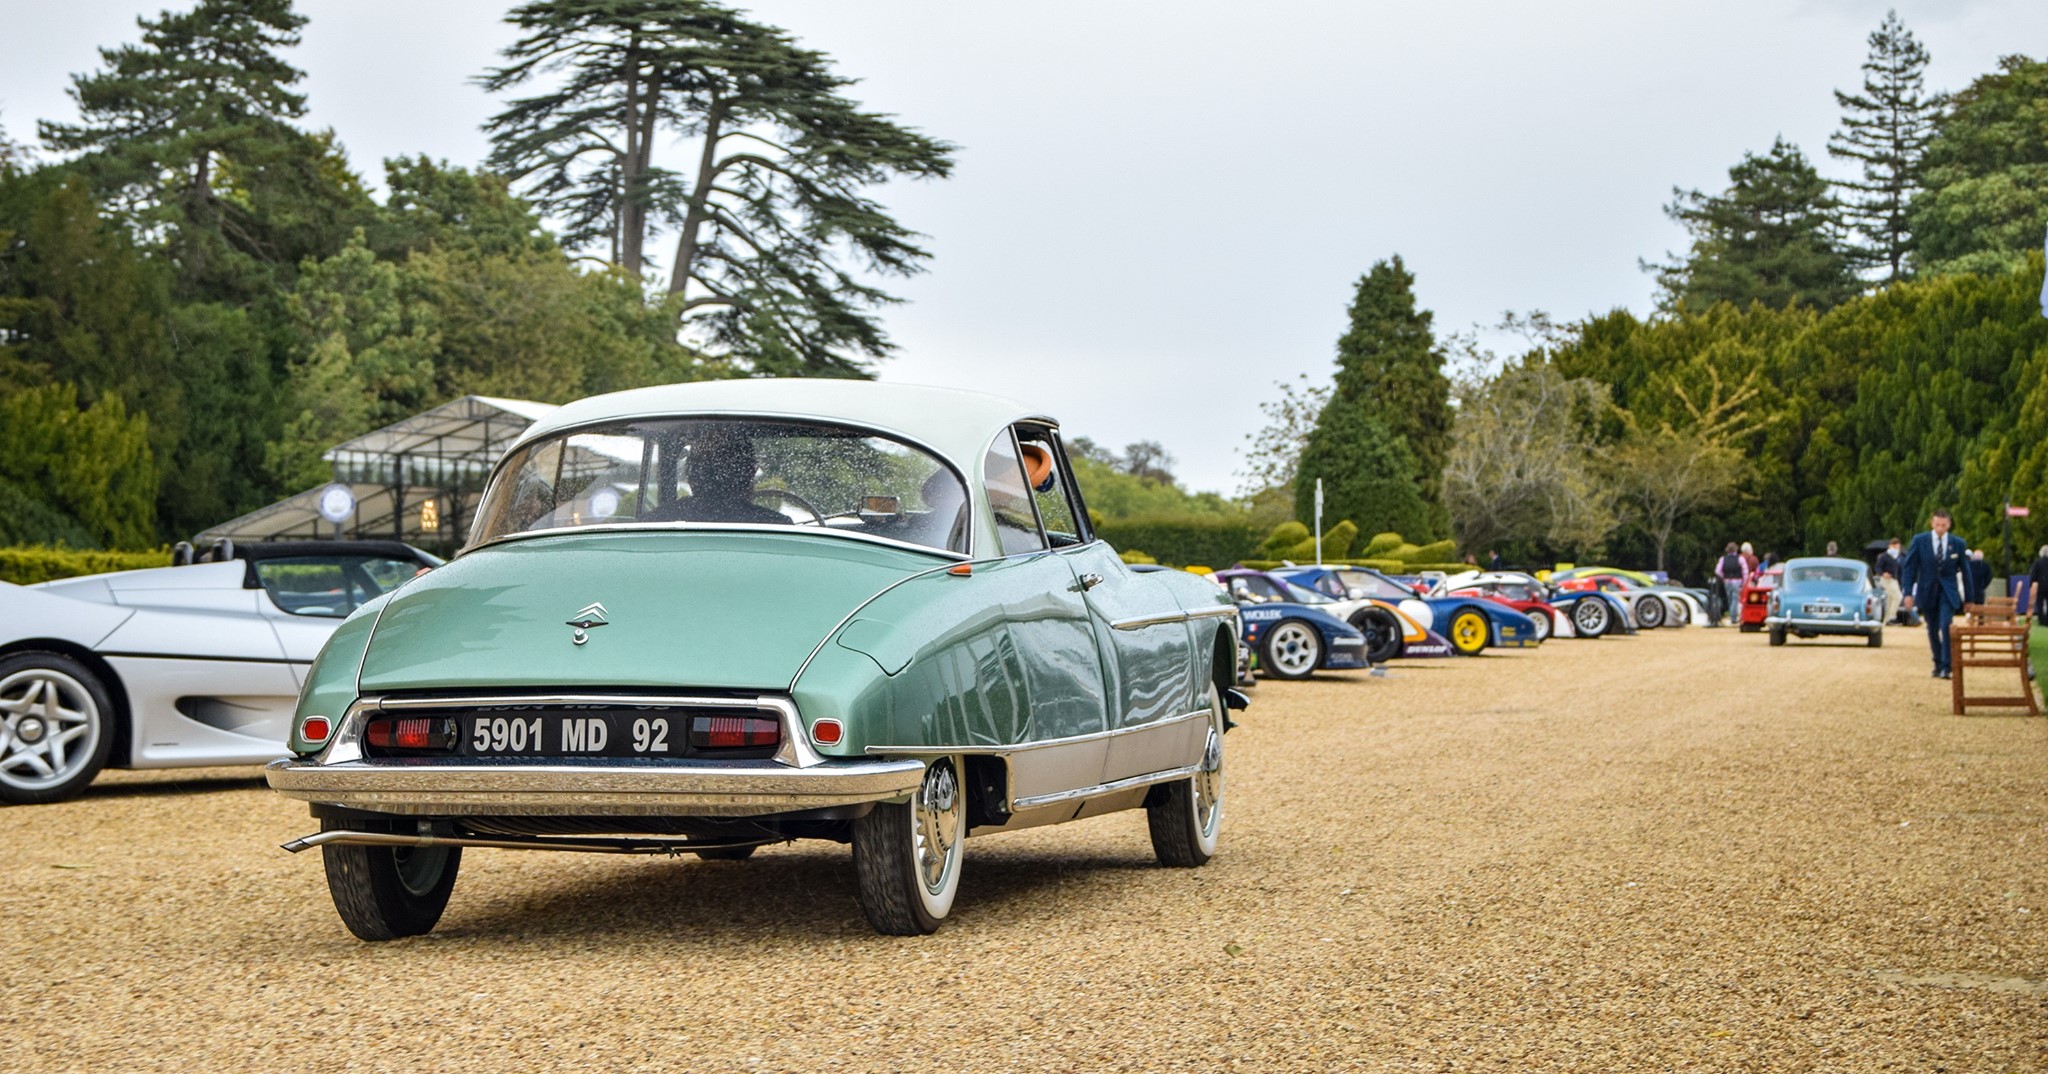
(27, 565)
(1181, 540)
(1384, 566)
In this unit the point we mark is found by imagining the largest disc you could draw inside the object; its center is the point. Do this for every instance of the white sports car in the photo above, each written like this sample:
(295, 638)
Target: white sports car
(176, 666)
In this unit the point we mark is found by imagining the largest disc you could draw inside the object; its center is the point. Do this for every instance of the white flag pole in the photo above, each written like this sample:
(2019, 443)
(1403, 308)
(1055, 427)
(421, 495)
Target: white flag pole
(1319, 522)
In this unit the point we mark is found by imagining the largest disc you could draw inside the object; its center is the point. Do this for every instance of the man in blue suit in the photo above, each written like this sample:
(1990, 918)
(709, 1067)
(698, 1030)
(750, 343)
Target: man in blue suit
(1938, 581)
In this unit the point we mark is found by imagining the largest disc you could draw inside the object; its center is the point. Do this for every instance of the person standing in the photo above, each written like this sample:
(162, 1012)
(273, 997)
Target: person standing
(1938, 582)
(1888, 578)
(1730, 573)
(1833, 550)
(1493, 561)
(1751, 567)
(2037, 586)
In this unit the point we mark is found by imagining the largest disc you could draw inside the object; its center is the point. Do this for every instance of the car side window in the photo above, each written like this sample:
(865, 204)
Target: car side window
(1053, 493)
(1010, 499)
(330, 587)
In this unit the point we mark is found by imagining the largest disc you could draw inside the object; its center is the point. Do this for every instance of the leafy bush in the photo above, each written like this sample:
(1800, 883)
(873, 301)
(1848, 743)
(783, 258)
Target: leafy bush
(30, 564)
(1134, 556)
(1182, 540)
(1382, 544)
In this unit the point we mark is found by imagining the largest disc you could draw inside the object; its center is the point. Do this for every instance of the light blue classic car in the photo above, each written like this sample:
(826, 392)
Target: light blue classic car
(705, 617)
(1826, 596)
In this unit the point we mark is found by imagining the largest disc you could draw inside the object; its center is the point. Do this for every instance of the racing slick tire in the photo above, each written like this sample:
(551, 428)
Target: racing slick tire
(1382, 634)
(1650, 613)
(1469, 632)
(1592, 617)
(1291, 649)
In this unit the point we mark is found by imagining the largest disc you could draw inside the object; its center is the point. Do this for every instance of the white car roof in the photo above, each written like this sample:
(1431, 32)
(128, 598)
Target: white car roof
(957, 424)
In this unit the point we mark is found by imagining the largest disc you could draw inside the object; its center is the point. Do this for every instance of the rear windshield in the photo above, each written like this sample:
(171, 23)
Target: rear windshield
(749, 472)
(1823, 574)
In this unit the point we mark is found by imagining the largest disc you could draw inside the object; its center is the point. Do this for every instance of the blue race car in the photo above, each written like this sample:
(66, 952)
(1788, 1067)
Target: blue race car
(1291, 636)
(1470, 623)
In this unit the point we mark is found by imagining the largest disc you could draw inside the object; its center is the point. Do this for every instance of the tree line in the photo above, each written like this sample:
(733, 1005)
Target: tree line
(198, 294)
(1829, 360)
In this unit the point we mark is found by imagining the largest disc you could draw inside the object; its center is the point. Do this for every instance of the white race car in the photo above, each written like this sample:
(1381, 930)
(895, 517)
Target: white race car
(176, 666)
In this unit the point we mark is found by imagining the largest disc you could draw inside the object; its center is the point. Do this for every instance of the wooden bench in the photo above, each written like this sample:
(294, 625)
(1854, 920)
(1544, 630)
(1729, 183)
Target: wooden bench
(1990, 635)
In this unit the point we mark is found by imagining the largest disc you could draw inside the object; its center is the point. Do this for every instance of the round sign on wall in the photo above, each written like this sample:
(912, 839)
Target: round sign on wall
(337, 503)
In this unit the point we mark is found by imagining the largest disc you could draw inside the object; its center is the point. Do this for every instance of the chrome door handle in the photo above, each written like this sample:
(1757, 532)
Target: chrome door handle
(1090, 581)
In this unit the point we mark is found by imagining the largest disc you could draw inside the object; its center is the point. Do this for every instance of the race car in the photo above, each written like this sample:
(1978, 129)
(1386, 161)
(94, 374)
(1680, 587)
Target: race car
(1294, 632)
(1583, 613)
(1681, 606)
(1529, 597)
(1469, 623)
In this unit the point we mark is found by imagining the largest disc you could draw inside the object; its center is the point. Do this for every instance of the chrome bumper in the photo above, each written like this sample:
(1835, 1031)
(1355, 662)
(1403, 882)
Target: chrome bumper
(1825, 626)
(729, 789)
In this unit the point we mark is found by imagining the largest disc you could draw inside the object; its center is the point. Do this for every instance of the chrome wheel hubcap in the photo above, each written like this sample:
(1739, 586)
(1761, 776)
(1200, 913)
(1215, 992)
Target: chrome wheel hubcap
(1294, 648)
(1209, 784)
(935, 831)
(1590, 617)
(49, 728)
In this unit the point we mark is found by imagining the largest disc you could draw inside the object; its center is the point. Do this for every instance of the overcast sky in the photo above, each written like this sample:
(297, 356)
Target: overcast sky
(1161, 208)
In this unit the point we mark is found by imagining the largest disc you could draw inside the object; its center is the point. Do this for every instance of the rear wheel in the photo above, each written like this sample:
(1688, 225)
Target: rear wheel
(56, 726)
(383, 893)
(1382, 634)
(1876, 641)
(906, 855)
(1186, 815)
(1292, 650)
(1542, 620)
(1468, 632)
(1680, 612)
(1777, 635)
(1591, 617)
(1650, 613)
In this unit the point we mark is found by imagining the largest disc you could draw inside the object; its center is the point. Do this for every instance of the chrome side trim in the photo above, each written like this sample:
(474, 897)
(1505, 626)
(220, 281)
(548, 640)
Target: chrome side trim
(1107, 788)
(1140, 622)
(988, 751)
(671, 847)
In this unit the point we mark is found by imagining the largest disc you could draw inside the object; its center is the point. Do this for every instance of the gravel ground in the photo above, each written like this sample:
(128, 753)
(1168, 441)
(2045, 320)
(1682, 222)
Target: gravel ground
(1683, 850)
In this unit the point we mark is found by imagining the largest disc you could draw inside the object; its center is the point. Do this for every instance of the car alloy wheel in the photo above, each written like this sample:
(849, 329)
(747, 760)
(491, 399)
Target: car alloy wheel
(54, 730)
(1650, 612)
(1468, 632)
(1293, 649)
(1590, 617)
(1185, 816)
(906, 855)
(1542, 621)
(1382, 634)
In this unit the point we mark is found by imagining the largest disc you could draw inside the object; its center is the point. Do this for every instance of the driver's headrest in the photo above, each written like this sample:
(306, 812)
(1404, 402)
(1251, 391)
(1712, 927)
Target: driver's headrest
(1037, 466)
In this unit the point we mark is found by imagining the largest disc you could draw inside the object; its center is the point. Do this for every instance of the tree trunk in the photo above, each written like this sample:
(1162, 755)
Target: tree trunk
(700, 194)
(629, 230)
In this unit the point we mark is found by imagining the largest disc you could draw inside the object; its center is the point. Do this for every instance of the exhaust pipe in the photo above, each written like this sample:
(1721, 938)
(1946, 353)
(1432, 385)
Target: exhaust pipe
(672, 848)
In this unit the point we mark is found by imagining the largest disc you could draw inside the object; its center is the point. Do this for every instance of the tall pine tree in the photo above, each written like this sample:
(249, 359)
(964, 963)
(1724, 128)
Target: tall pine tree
(1986, 202)
(188, 129)
(1885, 129)
(1772, 238)
(1389, 370)
(767, 202)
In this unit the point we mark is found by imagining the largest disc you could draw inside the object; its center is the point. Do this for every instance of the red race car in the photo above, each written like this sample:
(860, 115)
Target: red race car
(1756, 598)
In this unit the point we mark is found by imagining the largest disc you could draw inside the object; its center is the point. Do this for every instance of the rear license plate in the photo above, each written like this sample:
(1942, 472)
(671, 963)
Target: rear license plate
(574, 734)
(1823, 609)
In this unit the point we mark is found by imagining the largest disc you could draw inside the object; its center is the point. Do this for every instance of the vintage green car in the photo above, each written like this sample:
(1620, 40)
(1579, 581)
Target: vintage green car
(705, 617)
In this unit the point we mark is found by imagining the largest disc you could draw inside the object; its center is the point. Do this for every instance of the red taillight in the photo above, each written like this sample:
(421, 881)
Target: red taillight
(827, 732)
(733, 732)
(315, 729)
(410, 734)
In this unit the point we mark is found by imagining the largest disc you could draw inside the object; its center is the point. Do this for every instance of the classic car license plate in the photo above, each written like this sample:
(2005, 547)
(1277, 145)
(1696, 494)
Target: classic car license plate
(574, 734)
(1823, 609)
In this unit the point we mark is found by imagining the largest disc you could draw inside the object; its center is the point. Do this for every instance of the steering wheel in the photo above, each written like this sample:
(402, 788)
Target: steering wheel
(817, 516)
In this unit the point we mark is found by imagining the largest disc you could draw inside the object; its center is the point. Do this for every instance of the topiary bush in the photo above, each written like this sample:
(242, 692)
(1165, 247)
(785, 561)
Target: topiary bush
(1182, 540)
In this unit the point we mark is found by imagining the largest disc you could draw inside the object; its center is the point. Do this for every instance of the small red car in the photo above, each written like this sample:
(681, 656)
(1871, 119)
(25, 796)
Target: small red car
(1756, 598)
